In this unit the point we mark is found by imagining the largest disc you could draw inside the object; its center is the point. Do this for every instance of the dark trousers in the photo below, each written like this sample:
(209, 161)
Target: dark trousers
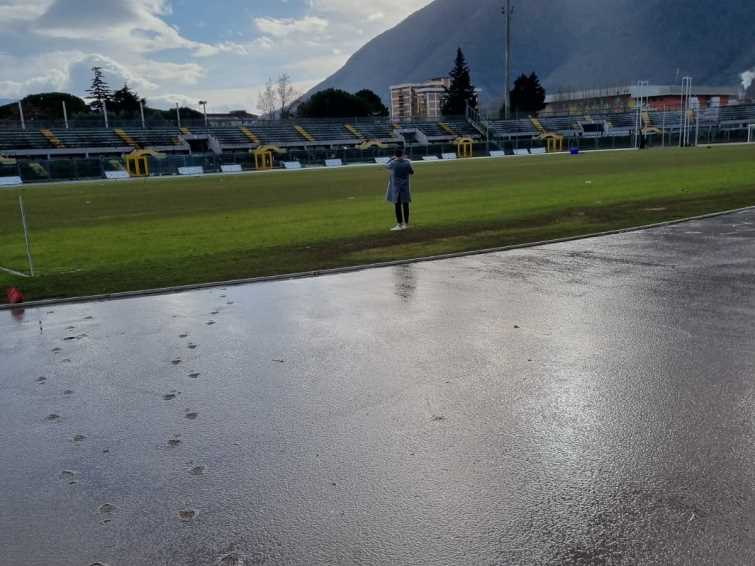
(402, 219)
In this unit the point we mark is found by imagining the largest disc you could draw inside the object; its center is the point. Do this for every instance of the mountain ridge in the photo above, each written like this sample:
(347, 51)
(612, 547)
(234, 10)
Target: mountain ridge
(569, 43)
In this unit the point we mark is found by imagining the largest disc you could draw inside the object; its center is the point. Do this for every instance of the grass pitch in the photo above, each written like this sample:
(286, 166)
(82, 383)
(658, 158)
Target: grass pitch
(92, 238)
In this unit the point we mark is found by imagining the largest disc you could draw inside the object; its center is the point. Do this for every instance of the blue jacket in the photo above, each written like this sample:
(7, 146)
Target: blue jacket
(399, 189)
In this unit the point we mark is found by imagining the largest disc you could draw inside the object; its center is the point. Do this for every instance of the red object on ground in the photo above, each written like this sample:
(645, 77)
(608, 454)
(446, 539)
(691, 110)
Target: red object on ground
(14, 296)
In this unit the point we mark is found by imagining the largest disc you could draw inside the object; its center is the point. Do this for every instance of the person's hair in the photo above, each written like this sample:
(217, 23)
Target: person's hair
(399, 152)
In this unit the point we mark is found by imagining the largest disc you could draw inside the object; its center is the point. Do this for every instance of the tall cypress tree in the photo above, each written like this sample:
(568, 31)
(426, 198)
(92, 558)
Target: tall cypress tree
(461, 92)
(99, 91)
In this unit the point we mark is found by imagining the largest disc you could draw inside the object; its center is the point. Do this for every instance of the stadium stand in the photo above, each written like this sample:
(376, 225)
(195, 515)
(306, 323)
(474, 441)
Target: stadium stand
(154, 138)
(15, 140)
(75, 139)
(381, 130)
(432, 130)
(328, 130)
(463, 128)
(314, 140)
(560, 124)
(231, 137)
(503, 128)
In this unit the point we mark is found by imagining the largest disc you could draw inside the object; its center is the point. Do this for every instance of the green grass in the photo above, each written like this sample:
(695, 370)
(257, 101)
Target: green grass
(94, 238)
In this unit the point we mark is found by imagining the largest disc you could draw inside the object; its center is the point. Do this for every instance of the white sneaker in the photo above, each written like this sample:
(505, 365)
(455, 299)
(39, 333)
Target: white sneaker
(397, 227)
(404, 226)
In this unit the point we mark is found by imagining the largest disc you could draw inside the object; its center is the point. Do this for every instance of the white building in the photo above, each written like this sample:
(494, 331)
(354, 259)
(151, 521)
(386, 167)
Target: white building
(414, 101)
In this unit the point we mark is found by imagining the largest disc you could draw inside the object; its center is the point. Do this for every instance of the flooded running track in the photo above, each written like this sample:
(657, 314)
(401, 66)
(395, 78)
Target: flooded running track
(591, 402)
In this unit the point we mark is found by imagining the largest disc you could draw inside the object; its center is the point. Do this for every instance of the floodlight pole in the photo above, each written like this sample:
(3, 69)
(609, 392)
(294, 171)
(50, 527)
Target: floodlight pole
(178, 116)
(203, 103)
(697, 126)
(21, 114)
(640, 101)
(104, 112)
(663, 129)
(65, 114)
(685, 106)
(141, 111)
(508, 12)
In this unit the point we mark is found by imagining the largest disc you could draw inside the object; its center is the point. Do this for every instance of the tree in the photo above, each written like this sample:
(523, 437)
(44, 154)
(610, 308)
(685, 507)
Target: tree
(527, 96)
(286, 95)
(266, 101)
(99, 91)
(375, 103)
(461, 92)
(126, 102)
(46, 106)
(334, 103)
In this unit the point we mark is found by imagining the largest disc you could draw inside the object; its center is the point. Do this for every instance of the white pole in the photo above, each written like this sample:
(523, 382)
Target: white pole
(65, 114)
(178, 116)
(507, 94)
(663, 129)
(26, 235)
(104, 112)
(681, 122)
(141, 111)
(21, 113)
(697, 127)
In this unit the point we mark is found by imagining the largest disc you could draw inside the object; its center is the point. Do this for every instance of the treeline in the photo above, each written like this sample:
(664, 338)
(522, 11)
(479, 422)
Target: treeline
(527, 97)
(123, 103)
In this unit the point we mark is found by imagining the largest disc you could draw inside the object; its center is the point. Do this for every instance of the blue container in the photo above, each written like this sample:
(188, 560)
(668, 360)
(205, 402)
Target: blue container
(574, 151)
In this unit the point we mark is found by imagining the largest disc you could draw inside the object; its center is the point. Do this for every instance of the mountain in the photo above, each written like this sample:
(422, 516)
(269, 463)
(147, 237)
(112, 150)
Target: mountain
(571, 44)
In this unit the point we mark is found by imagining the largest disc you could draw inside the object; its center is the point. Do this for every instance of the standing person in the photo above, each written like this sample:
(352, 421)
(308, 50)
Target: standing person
(399, 189)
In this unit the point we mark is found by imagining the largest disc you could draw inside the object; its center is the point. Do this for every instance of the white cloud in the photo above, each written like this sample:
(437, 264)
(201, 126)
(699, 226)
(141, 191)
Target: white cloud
(284, 27)
(747, 78)
(52, 45)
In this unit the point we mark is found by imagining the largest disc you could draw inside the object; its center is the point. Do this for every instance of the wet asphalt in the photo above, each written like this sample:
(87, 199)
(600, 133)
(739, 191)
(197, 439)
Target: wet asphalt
(591, 402)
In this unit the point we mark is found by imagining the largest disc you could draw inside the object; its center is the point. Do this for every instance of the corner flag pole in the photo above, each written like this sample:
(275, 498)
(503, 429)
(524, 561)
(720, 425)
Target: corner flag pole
(26, 235)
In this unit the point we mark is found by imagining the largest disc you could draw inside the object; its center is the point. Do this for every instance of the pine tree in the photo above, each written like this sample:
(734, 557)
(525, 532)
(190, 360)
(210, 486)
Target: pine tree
(528, 95)
(125, 102)
(461, 92)
(99, 91)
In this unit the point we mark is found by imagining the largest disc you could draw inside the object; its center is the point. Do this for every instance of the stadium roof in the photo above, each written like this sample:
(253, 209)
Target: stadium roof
(650, 91)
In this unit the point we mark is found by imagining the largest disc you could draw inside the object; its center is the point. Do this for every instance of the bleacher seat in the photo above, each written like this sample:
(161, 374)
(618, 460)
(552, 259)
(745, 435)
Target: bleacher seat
(512, 127)
(560, 124)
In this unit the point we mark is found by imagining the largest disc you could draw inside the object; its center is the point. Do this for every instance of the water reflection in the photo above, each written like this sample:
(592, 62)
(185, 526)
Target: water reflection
(405, 282)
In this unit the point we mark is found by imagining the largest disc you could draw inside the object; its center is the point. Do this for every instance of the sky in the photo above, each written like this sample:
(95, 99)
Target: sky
(169, 51)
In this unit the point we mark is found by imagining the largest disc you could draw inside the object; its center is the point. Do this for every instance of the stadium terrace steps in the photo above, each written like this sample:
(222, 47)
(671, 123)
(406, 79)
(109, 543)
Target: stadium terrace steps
(91, 139)
(232, 136)
(512, 127)
(126, 138)
(538, 125)
(377, 130)
(647, 122)
(463, 128)
(356, 133)
(329, 131)
(15, 140)
(558, 124)
(304, 133)
(432, 130)
(445, 127)
(52, 138)
(250, 135)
